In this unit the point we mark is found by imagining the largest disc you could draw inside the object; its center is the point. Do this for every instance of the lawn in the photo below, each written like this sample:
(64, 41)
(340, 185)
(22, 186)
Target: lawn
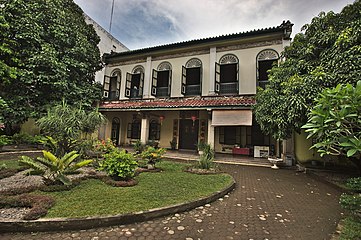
(172, 186)
(10, 164)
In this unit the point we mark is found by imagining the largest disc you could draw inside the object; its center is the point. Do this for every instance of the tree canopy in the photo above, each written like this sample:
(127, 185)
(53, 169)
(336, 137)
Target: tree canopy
(47, 53)
(335, 122)
(327, 53)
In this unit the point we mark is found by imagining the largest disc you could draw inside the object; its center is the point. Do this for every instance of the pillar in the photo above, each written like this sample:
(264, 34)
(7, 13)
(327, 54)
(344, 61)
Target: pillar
(144, 132)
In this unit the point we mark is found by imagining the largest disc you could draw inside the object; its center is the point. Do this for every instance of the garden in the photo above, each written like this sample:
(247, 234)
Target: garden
(77, 176)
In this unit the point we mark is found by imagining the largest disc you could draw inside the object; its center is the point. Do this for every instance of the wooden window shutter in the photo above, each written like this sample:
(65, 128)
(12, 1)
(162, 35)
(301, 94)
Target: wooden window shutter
(154, 83)
(217, 85)
(128, 85)
(184, 80)
(169, 82)
(129, 130)
(141, 85)
(106, 86)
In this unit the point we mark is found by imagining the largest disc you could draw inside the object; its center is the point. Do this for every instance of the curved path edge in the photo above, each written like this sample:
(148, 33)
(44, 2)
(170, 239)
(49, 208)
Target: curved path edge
(60, 224)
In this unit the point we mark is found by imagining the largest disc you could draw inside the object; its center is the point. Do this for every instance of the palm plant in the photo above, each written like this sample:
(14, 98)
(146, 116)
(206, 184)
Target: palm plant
(53, 168)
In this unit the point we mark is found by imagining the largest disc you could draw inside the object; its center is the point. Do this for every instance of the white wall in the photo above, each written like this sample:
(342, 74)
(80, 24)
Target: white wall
(107, 44)
(247, 70)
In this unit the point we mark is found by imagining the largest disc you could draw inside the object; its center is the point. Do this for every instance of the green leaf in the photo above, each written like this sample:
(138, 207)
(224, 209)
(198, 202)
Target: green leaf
(351, 152)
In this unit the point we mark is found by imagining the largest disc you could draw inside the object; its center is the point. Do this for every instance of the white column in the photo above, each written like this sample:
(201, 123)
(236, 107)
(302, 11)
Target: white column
(144, 132)
(210, 133)
(212, 70)
(147, 78)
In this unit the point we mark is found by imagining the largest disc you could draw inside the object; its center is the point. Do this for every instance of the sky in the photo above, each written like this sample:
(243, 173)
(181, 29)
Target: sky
(146, 23)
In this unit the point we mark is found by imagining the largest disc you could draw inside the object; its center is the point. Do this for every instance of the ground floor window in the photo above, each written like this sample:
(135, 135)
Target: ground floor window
(235, 135)
(154, 130)
(133, 130)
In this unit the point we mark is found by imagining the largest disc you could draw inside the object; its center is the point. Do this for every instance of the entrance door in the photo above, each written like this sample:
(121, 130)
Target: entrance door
(188, 134)
(115, 131)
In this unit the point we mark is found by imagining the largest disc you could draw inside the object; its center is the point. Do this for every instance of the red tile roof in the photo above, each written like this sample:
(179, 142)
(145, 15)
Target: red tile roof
(194, 102)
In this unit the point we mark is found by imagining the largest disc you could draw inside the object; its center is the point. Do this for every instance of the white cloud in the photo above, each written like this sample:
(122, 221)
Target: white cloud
(154, 22)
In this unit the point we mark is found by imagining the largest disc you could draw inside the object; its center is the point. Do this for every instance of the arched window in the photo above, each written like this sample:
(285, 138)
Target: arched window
(227, 76)
(115, 130)
(191, 77)
(154, 130)
(161, 80)
(265, 60)
(133, 130)
(111, 86)
(134, 83)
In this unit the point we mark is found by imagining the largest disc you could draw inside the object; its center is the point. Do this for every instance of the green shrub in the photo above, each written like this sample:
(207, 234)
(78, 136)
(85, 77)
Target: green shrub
(5, 140)
(104, 146)
(22, 138)
(351, 229)
(53, 168)
(206, 159)
(351, 202)
(153, 155)
(138, 147)
(354, 184)
(119, 164)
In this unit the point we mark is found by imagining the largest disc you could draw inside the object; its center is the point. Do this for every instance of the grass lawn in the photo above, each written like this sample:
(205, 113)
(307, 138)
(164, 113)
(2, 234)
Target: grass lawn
(172, 186)
(10, 164)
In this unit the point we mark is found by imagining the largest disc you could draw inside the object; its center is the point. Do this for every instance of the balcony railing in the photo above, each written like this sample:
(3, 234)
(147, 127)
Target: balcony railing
(113, 95)
(229, 88)
(193, 90)
(162, 92)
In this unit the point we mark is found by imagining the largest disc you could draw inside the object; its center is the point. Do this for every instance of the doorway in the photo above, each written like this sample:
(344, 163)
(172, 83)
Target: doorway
(188, 134)
(115, 131)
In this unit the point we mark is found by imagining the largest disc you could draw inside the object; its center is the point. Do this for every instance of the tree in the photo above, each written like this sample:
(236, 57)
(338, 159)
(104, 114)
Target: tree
(335, 122)
(66, 124)
(47, 52)
(326, 54)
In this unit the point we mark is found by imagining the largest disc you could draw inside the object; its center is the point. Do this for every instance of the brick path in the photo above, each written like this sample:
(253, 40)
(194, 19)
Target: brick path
(266, 204)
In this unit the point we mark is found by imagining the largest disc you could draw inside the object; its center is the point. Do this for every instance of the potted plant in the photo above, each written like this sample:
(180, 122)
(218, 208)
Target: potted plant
(200, 146)
(173, 144)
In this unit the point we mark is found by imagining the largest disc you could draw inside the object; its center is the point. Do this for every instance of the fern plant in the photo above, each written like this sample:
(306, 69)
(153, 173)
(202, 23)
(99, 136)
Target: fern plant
(53, 168)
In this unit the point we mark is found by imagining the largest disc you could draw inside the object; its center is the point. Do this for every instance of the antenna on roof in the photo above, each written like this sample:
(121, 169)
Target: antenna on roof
(111, 18)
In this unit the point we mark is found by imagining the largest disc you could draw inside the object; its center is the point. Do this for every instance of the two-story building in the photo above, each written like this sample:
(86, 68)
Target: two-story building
(192, 91)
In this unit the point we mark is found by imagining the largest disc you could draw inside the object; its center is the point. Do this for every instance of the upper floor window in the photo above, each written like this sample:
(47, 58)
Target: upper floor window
(191, 77)
(134, 83)
(161, 80)
(111, 86)
(226, 79)
(265, 61)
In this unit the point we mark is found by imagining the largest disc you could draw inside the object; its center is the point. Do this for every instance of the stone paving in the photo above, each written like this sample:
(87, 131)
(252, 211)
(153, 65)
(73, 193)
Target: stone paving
(266, 204)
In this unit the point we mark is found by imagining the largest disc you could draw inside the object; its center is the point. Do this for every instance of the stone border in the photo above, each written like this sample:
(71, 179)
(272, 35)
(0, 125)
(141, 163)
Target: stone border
(61, 224)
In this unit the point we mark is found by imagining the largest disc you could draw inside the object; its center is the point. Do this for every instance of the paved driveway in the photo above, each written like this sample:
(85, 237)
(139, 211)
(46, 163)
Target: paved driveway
(266, 204)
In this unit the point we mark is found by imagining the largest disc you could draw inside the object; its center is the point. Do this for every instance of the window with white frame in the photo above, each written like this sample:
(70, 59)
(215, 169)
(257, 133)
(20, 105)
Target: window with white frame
(111, 86)
(191, 77)
(227, 77)
(134, 83)
(161, 80)
(265, 60)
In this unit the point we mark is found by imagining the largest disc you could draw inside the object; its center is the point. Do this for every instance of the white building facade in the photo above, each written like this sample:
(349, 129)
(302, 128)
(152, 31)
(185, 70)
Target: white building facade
(195, 91)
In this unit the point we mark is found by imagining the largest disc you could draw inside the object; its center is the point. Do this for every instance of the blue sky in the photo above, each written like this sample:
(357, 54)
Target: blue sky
(145, 23)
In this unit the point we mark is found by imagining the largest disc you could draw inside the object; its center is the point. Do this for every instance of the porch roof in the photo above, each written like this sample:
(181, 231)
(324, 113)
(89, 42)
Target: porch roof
(179, 103)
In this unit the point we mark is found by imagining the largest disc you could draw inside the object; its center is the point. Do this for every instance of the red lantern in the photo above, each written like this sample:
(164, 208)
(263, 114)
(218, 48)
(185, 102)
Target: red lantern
(194, 118)
(161, 118)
